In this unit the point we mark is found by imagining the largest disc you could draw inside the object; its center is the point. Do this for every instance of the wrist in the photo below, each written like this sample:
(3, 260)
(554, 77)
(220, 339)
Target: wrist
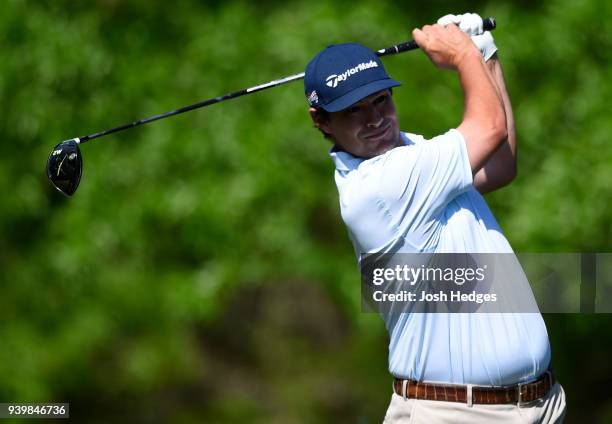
(492, 63)
(467, 58)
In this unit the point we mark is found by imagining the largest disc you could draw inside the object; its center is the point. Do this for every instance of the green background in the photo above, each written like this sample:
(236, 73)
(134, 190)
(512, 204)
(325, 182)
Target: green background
(202, 273)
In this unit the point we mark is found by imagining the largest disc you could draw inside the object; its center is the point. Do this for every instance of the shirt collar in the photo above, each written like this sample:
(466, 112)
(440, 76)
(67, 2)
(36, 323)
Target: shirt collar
(344, 161)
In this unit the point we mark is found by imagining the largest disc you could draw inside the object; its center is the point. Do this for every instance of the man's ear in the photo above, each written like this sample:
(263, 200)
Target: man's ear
(320, 121)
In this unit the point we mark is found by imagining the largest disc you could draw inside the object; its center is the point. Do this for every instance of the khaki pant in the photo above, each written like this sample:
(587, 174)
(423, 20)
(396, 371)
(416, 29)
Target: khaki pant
(550, 409)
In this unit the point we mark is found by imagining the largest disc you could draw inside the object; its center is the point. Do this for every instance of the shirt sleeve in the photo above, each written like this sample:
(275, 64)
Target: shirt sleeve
(419, 180)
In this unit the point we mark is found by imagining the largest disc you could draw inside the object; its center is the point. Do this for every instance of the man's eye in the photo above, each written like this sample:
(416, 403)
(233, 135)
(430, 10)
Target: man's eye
(353, 110)
(380, 99)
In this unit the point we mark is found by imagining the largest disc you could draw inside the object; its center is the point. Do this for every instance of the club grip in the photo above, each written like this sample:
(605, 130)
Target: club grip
(488, 24)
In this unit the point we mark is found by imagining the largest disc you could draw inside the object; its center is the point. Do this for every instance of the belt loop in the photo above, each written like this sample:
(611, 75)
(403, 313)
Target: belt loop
(469, 395)
(404, 391)
(549, 375)
(519, 396)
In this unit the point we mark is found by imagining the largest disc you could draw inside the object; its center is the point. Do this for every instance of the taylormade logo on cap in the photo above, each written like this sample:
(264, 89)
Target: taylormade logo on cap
(333, 80)
(342, 74)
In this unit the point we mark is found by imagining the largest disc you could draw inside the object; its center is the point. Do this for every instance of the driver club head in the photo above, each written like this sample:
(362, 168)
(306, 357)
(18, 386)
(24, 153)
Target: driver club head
(65, 166)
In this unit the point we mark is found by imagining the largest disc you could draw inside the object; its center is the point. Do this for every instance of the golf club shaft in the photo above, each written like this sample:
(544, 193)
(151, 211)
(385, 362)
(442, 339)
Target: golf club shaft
(488, 24)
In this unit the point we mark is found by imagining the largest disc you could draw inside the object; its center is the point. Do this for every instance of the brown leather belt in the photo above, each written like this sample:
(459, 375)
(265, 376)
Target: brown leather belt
(518, 393)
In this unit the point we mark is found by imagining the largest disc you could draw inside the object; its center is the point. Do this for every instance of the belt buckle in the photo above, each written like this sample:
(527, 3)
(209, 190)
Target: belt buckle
(521, 402)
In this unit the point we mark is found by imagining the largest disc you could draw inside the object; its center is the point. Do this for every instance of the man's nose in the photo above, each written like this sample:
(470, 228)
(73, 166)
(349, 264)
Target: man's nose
(374, 117)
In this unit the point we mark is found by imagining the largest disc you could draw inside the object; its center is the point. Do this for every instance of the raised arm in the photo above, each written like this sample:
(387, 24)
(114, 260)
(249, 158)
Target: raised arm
(500, 169)
(484, 122)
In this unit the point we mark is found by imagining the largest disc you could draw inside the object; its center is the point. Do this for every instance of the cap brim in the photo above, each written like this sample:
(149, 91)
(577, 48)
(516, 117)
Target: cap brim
(358, 94)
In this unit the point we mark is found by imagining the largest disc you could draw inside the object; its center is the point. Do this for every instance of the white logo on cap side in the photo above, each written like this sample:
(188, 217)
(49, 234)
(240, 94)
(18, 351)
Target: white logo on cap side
(333, 80)
(313, 98)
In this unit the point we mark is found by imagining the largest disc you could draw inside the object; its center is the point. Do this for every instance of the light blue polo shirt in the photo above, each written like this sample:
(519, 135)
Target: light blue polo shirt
(419, 198)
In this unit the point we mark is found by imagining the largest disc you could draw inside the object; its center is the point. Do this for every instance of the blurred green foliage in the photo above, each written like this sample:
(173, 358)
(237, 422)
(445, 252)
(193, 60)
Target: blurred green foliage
(202, 272)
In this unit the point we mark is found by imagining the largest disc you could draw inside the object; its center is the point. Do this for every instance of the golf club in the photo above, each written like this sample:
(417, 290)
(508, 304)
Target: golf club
(65, 163)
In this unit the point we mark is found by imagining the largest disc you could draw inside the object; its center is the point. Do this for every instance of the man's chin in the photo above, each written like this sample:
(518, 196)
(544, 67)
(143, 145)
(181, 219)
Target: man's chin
(384, 147)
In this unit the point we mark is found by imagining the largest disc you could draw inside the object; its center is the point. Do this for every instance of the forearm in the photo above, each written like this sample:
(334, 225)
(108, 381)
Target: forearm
(498, 79)
(500, 169)
(484, 120)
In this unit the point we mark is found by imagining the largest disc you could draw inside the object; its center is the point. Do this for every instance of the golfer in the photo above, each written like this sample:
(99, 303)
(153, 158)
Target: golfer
(402, 193)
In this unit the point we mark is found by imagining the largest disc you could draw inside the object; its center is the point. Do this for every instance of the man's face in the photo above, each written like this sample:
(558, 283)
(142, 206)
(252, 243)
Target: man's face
(366, 129)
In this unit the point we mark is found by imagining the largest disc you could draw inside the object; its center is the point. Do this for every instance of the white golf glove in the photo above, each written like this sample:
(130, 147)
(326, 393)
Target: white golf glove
(471, 24)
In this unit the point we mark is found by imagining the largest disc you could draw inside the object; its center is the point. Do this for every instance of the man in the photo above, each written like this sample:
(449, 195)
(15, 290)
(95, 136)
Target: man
(400, 193)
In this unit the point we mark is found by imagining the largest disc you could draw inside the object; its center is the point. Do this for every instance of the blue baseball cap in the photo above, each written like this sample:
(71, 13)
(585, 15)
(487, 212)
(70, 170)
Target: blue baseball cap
(343, 74)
